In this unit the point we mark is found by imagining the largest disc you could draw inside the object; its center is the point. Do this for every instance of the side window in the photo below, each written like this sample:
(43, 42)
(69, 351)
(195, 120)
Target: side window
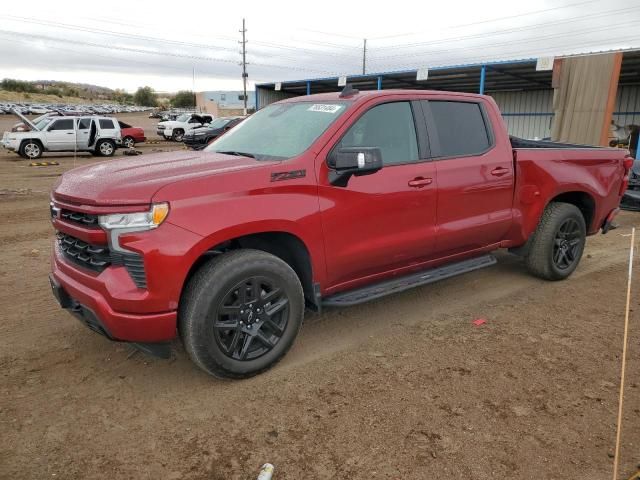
(84, 124)
(389, 127)
(106, 124)
(460, 128)
(194, 120)
(64, 124)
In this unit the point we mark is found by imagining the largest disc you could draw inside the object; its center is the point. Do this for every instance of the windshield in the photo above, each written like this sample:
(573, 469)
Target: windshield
(219, 122)
(41, 125)
(279, 131)
(183, 118)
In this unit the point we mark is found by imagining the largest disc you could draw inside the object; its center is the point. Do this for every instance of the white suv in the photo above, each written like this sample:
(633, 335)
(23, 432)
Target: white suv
(98, 135)
(175, 129)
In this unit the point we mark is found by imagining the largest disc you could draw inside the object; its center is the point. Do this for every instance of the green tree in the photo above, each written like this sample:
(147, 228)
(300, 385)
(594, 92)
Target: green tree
(183, 99)
(146, 97)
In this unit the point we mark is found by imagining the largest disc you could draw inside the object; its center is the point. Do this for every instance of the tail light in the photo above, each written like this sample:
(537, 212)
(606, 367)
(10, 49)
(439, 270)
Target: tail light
(627, 163)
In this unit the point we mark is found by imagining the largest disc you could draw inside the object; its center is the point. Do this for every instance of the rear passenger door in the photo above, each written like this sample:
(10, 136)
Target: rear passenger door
(61, 135)
(475, 176)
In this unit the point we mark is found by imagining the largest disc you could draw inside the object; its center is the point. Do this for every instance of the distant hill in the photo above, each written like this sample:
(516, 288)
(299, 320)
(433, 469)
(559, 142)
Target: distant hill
(57, 91)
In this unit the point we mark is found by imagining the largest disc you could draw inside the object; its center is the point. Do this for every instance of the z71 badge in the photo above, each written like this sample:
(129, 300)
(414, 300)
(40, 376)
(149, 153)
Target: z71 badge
(277, 176)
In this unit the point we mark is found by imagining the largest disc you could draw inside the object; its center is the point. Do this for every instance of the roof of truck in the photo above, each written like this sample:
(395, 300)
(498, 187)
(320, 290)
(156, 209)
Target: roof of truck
(364, 94)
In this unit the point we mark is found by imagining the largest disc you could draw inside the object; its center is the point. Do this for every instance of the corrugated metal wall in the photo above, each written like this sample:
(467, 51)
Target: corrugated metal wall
(527, 114)
(627, 109)
(265, 97)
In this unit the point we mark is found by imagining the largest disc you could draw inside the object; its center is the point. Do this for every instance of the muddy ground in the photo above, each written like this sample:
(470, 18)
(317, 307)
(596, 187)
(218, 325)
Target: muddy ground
(400, 388)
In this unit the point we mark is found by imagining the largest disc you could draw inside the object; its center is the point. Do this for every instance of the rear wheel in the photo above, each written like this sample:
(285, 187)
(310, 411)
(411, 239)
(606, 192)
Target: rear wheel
(557, 244)
(240, 313)
(105, 148)
(31, 149)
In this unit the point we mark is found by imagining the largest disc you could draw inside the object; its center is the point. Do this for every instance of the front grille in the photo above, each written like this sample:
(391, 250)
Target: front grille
(85, 219)
(93, 257)
(99, 257)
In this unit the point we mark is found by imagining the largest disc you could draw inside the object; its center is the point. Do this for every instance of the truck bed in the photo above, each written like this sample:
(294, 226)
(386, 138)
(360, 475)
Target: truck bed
(524, 143)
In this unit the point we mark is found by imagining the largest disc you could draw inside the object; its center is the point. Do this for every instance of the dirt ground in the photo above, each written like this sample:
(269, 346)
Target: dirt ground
(400, 388)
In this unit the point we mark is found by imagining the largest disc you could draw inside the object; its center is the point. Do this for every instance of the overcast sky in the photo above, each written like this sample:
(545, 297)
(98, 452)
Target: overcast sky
(127, 44)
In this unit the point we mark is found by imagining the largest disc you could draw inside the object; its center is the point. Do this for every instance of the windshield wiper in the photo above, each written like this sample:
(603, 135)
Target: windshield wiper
(237, 154)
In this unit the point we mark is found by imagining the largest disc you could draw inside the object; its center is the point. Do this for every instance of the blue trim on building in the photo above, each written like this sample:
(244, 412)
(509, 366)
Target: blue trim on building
(483, 74)
(392, 72)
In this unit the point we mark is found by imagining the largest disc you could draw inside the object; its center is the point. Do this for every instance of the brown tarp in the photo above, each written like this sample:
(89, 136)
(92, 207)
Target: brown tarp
(583, 98)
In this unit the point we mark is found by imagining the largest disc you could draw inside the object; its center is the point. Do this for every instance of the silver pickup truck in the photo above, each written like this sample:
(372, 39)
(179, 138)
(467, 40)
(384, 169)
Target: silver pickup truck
(97, 135)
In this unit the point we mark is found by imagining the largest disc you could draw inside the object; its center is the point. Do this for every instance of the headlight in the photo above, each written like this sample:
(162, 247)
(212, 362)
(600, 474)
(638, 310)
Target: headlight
(200, 133)
(116, 224)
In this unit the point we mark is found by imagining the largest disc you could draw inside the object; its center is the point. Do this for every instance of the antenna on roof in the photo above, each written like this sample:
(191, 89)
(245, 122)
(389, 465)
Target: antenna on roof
(348, 91)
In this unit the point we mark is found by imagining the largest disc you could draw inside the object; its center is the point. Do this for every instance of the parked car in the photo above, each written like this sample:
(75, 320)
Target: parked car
(324, 200)
(131, 135)
(200, 137)
(175, 129)
(98, 135)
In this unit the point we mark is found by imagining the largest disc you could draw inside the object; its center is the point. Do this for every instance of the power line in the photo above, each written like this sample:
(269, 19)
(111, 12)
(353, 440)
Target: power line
(100, 31)
(535, 12)
(555, 50)
(616, 13)
(165, 54)
(512, 42)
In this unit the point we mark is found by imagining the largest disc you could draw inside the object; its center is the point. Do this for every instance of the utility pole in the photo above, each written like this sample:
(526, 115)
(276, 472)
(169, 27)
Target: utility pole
(193, 89)
(364, 57)
(244, 65)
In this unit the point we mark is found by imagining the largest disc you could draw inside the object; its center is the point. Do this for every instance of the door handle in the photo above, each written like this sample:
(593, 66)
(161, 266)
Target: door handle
(499, 171)
(420, 182)
(70, 133)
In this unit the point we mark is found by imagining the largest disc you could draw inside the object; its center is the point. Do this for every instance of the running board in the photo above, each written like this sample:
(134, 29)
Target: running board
(400, 284)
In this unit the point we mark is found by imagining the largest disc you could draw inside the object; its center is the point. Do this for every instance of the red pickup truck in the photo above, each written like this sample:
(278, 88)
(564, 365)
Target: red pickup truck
(325, 200)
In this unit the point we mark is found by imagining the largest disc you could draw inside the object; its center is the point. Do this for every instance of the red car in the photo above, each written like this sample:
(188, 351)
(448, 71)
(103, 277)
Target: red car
(131, 135)
(325, 200)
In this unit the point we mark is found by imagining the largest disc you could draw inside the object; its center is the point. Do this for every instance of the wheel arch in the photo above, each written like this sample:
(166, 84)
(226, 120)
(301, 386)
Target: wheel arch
(582, 200)
(285, 245)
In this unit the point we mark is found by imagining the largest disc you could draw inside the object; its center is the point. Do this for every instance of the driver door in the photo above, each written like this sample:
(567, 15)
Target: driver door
(61, 135)
(385, 222)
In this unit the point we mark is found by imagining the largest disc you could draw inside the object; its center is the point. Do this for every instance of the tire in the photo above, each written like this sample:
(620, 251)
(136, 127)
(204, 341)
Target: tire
(557, 245)
(105, 148)
(128, 142)
(31, 149)
(254, 340)
(178, 135)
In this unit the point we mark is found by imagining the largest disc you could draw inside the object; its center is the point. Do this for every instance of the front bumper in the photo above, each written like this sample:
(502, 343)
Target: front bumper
(197, 143)
(164, 133)
(91, 307)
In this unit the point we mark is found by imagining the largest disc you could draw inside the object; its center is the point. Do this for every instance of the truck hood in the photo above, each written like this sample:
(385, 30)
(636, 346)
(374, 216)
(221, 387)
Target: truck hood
(25, 120)
(134, 180)
(169, 123)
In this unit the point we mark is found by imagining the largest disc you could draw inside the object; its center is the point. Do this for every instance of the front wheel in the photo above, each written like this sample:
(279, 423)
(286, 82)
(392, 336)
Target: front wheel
(240, 313)
(31, 149)
(128, 142)
(557, 244)
(178, 135)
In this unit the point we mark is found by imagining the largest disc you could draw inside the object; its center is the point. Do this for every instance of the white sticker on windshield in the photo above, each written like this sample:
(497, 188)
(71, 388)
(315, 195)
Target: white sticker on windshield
(323, 107)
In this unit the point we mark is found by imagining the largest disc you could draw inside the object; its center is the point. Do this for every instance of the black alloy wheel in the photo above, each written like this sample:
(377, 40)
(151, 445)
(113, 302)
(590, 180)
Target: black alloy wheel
(567, 244)
(251, 318)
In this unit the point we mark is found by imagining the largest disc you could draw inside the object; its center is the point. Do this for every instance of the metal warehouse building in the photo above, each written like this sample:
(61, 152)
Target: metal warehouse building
(523, 92)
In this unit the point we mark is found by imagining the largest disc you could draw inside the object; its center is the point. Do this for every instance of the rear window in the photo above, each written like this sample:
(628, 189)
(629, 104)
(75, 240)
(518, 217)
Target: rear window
(460, 128)
(106, 124)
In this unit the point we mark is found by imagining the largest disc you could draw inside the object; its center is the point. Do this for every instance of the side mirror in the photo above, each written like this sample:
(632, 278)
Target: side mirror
(357, 161)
